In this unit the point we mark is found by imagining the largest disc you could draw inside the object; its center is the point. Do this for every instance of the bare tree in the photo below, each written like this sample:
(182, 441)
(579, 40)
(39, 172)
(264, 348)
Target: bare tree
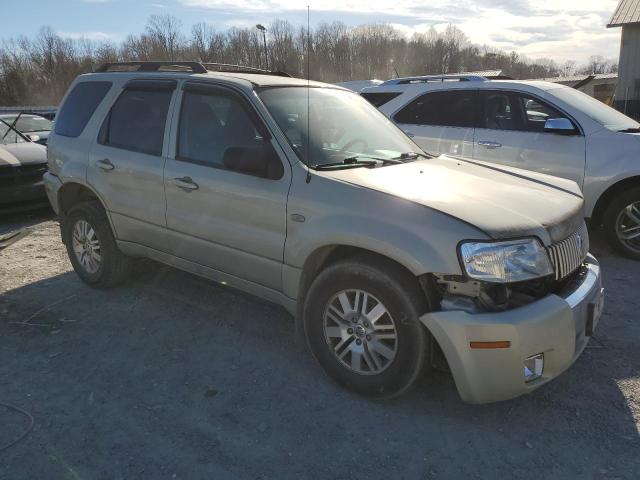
(38, 70)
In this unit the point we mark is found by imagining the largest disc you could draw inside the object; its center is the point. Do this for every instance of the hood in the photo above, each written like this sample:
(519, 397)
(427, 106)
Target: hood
(501, 201)
(27, 153)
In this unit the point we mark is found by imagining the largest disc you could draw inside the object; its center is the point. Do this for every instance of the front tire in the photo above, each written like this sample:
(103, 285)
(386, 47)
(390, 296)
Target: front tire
(361, 324)
(92, 248)
(622, 223)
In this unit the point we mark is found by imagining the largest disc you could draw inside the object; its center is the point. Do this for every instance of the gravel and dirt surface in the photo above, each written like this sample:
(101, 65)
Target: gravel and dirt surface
(171, 376)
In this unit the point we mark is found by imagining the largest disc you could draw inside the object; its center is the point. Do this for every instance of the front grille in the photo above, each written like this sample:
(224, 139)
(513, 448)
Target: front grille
(14, 175)
(566, 256)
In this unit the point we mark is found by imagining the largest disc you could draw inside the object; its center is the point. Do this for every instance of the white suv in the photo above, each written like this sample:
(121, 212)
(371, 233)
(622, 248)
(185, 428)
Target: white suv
(540, 126)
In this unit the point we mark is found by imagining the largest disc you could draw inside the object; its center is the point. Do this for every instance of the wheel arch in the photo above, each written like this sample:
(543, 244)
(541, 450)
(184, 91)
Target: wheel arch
(324, 256)
(72, 193)
(609, 194)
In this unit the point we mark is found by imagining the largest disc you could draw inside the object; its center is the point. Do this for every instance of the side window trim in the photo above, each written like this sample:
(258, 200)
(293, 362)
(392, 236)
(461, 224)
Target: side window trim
(153, 85)
(213, 89)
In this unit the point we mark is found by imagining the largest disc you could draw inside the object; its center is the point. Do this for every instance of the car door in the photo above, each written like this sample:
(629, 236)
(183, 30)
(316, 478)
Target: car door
(512, 132)
(232, 221)
(126, 161)
(441, 122)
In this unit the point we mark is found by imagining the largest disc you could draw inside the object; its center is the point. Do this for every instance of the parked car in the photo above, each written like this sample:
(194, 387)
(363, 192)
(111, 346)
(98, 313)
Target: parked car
(36, 127)
(304, 194)
(539, 126)
(22, 164)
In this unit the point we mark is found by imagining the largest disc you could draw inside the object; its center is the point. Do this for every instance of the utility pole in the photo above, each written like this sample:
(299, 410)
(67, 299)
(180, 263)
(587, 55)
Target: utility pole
(264, 39)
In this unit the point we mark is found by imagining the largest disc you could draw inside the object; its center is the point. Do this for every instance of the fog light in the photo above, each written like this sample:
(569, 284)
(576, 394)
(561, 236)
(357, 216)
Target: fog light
(533, 367)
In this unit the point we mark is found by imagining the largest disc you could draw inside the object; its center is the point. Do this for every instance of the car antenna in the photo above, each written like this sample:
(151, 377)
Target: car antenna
(308, 179)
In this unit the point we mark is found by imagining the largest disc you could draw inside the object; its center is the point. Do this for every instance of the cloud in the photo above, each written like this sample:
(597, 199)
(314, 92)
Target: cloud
(99, 36)
(571, 29)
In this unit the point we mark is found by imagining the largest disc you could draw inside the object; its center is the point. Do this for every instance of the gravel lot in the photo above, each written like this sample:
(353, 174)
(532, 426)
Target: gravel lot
(171, 376)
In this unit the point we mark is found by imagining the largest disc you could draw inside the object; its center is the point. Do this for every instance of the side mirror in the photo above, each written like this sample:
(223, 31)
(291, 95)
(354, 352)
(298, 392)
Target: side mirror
(33, 138)
(261, 161)
(561, 126)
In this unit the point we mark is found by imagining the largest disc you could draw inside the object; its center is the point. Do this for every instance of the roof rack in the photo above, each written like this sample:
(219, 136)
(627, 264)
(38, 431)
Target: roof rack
(436, 78)
(228, 67)
(193, 67)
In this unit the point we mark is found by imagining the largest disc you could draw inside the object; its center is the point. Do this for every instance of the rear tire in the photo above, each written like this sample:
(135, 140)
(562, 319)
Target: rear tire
(622, 223)
(92, 248)
(376, 347)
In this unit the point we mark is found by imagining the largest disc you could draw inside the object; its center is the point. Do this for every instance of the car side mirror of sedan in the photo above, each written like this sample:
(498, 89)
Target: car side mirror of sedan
(33, 138)
(260, 161)
(561, 126)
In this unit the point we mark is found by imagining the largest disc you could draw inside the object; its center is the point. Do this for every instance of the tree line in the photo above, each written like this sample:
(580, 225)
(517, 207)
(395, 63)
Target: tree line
(37, 71)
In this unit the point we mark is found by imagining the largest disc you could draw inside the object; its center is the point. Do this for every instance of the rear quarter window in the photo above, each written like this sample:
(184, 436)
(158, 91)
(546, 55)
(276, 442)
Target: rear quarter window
(378, 99)
(79, 106)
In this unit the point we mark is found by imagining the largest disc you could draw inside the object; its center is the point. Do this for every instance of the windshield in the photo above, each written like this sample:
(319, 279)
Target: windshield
(32, 124)
(595, 109)
(343, 125)
(9, 135)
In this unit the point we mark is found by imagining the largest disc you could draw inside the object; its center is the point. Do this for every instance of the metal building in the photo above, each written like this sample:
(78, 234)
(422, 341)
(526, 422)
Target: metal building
(627, 16)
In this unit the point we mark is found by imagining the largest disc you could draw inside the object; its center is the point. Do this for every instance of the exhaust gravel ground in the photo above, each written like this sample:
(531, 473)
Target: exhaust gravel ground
(171, 376)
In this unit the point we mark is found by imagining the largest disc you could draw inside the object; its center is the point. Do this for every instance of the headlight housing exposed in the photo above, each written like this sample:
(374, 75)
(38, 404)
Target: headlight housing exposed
(505, 262)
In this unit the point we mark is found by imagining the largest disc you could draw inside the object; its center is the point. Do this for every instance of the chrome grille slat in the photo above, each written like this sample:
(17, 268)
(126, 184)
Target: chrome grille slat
(566, 256)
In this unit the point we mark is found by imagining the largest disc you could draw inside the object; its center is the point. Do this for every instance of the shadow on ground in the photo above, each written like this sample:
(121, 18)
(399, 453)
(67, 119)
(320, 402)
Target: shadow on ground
(171, 376)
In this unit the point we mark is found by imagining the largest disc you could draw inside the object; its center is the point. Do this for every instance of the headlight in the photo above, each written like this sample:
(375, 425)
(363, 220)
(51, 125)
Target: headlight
(505, 262)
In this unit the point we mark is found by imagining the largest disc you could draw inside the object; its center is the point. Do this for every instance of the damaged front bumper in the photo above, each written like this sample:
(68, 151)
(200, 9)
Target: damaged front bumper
(558, 326)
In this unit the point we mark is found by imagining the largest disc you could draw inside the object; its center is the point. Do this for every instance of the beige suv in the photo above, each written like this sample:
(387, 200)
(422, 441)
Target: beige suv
(304, 194)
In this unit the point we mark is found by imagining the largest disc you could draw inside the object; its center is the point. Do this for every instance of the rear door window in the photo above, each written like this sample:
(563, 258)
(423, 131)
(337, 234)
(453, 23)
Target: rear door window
(445, 109)
(137, 121)
(79, 106)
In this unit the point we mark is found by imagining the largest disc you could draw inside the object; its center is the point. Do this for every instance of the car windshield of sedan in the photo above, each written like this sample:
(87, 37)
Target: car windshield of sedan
(343, 126)
(33, 124)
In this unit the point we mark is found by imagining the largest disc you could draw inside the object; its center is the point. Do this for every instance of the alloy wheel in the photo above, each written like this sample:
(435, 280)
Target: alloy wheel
(86, 246)
(628, 226)
(360, 331)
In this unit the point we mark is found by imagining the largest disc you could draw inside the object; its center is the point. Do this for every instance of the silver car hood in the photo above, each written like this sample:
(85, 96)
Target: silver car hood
(503, 202)
(26, 153)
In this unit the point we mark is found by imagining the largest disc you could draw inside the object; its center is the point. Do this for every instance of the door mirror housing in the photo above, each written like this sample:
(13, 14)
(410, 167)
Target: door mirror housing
(561, 126)
(261, 161)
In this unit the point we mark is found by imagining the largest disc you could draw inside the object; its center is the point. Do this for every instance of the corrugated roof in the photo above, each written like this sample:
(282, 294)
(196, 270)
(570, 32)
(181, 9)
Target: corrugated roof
(481, 73)
(574, 80)
(628, 11)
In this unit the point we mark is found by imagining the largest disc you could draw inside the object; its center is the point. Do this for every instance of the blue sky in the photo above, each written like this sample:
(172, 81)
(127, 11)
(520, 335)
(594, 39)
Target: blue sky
(567, 30)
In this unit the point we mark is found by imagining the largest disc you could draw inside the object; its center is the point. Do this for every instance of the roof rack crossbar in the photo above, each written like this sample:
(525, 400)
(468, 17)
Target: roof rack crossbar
(435, 78)
(194, 67)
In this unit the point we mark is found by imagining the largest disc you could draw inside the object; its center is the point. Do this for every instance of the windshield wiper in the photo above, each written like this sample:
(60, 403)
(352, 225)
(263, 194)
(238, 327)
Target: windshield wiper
(630, 130)
(357, 161)
(407, 156)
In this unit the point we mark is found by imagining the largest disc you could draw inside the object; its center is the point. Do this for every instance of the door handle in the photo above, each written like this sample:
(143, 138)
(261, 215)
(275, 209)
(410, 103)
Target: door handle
(490, 145)
(185, 183)
(409, 134)
(105, 164)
